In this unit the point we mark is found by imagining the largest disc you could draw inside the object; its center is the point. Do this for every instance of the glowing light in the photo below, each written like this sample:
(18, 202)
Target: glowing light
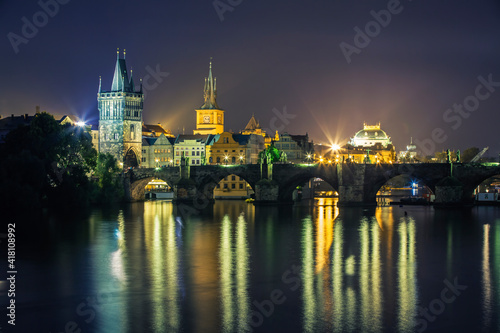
(80, 123)
(335, 146)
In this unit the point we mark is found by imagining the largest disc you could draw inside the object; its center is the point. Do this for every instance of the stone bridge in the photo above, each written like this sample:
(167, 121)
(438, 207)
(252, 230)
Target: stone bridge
(357, 184)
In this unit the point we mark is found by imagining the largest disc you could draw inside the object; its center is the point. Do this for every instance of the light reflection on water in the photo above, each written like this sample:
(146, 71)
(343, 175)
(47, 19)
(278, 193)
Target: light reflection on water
(361, 269)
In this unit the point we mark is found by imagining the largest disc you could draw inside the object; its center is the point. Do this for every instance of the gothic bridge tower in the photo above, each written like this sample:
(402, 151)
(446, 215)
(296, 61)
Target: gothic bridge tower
(120, 117)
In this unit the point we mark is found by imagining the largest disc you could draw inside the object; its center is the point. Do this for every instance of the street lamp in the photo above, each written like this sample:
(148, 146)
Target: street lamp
(241, 159)
(226, 157)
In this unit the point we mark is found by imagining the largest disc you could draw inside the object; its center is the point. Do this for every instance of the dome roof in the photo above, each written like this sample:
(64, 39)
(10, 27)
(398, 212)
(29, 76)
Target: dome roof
(371, 134)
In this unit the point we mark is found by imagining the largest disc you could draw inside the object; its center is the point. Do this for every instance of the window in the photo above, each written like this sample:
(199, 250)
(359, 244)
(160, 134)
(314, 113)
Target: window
(218, 185)
(143, 159)
(210, 160)
(233, 159)
(116, 136)
(233, 185)
(234, 150)
(176, 153)
(169, 151)
(241, 186)
(197, 153)
(218, 159)
(225, 186)
(132, 132)
(233, 177)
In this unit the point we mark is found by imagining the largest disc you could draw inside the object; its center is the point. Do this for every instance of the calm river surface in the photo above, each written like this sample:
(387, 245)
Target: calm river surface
(233, 267)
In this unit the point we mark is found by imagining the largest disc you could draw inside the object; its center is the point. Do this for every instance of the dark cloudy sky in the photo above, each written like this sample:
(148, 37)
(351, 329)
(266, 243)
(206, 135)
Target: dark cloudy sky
(268, 55)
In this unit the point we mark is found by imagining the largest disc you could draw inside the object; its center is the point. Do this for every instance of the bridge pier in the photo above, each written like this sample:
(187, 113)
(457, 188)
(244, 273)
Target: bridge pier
(185, 191)
(450, 193)
(266, 192)
(352, 185)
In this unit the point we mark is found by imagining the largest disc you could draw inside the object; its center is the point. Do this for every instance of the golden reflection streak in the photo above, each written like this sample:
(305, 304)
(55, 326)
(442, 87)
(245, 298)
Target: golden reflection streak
(337, 277)
(320, 239)
(364, 274)
(308, 275)
(376, 286)
(242, 270)
(486, 277)
(226, 271)
(407, 289)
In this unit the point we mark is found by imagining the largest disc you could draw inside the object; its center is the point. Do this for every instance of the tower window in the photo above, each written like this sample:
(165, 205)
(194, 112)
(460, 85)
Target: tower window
(116, 136)
(132, 132)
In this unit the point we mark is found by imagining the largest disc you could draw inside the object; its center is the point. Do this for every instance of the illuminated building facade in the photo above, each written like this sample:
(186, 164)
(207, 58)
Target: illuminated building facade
(120, 117)
(229, 148)
(192, 147)
(370, 136)
(157, 151)
(209, 117)
(296, 147)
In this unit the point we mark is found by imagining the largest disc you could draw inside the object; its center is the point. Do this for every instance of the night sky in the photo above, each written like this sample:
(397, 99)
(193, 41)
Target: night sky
(268, 55)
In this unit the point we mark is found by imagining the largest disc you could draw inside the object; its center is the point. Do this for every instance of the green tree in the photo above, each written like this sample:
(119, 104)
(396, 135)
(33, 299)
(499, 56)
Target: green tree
(49, 163)
(108, 175)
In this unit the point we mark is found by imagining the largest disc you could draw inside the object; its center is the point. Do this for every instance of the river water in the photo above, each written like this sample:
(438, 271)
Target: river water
(233, 267)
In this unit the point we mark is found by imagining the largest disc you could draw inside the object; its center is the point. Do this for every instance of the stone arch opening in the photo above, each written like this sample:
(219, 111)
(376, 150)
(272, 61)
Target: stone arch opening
(158, 189)
(232, 186)
(306, 186)
(488, 189)
(402, 186)
(130, 160)
(138, 188)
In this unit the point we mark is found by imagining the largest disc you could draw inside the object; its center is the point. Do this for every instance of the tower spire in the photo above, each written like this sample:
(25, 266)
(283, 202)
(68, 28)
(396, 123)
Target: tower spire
(100, 90)
(120, 78)
(210, 90)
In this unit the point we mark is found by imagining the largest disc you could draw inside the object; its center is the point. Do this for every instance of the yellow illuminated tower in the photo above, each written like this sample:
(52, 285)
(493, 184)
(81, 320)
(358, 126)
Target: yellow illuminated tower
(209, 117)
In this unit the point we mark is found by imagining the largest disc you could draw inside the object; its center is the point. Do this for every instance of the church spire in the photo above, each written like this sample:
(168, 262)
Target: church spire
(210, 91)
(100, 90)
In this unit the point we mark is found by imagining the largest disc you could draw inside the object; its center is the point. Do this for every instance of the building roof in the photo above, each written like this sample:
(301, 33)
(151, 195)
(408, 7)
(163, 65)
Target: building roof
(252, 125)
(148, 141)
(121, 80)
(13, 122)
(202, 138)
(371, 132)
(242, 139)
(154, 130)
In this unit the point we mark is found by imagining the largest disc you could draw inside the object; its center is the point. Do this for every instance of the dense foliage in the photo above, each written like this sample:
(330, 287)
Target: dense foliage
(47, 164)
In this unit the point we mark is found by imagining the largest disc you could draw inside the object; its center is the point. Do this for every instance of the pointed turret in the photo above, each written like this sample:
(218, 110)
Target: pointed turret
(100, 90)
(131, 83)
(210, 91)
(120, 78)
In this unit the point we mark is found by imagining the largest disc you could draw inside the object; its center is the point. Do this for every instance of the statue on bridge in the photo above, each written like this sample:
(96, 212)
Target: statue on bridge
(283, 157)
(203, 158)
(458, 156)
(448, 156)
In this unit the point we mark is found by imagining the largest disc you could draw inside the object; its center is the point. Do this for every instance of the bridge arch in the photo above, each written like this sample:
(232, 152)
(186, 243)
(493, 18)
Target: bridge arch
(209, 182)
(287, 187)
